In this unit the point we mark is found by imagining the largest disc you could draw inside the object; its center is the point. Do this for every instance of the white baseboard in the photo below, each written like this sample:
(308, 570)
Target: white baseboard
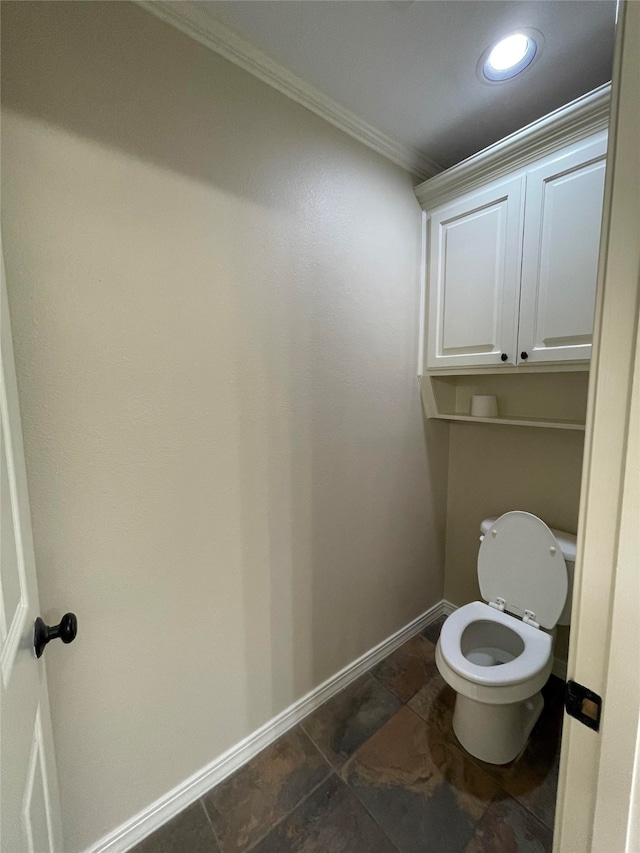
(154, 816)
(559, 668)
(447, 607)
(140, 826)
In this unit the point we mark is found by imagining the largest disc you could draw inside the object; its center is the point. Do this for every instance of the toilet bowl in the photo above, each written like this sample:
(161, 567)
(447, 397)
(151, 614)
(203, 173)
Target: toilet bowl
(497, 656)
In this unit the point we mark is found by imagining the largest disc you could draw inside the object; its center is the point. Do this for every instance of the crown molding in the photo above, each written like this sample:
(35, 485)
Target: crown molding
(196, 22)
(571, 123)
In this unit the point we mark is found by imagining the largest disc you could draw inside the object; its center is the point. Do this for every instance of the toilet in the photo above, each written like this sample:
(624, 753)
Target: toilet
(497, 656)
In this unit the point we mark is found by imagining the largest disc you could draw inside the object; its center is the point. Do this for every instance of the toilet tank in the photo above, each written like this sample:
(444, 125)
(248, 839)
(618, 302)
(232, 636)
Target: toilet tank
(567, 543)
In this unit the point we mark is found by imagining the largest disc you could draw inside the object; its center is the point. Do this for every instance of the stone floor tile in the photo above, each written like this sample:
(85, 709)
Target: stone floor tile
(432, 631)
(419, 788)
(409, 785)
(347, 720)
(434, 702)
(507, 827)
(189, 831)
(532, 778)
(405, 671)
(330, 820)
(246, 806)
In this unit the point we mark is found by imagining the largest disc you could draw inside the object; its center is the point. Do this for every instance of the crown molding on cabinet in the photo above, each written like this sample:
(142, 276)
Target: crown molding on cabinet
(571, 123)
(196, 22)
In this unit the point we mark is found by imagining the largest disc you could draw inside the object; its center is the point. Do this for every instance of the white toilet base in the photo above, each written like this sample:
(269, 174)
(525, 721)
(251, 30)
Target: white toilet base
(495, 733)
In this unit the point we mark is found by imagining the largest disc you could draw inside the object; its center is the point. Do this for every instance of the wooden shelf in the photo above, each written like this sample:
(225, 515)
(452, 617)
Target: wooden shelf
(513, 421)
(545, 399)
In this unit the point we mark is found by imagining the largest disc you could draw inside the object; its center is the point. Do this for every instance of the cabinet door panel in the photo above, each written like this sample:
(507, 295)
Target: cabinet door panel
(473, 278)
(560, 256)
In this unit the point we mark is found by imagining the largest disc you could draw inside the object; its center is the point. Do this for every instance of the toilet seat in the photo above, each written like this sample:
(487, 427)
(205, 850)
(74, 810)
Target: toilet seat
(533, 659)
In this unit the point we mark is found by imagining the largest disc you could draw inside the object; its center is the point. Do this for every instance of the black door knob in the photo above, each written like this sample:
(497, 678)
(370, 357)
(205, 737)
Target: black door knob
(504, 356)
(524, 356)
(66, 631)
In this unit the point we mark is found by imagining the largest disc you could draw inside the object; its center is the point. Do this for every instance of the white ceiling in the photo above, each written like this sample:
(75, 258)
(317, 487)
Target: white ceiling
(409, 68)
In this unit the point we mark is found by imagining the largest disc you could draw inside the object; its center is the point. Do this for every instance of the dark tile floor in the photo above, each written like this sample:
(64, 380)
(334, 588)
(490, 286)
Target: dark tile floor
(377, 769)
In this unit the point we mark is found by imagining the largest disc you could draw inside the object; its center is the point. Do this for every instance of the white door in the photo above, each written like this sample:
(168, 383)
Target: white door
(474, 277)
(563, 215)
(29, 809)
(599, 789)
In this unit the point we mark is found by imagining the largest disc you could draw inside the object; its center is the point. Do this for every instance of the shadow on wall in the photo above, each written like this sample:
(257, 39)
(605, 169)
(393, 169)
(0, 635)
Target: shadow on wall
(91, 75)
(215, 302)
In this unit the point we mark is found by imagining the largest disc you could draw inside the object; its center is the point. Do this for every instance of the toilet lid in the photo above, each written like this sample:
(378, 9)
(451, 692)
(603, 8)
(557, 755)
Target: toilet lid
(520, 560)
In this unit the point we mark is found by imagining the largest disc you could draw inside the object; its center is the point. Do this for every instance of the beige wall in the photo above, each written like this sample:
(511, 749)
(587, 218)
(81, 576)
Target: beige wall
(494, 469)
(214, 297)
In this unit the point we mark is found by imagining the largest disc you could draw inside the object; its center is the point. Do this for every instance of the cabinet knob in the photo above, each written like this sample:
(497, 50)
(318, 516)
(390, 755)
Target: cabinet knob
(504, 356)
(524, 355)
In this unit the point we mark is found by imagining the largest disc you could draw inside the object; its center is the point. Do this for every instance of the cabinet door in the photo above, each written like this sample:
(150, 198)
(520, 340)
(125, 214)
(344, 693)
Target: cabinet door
(563, 214)
(474, 271)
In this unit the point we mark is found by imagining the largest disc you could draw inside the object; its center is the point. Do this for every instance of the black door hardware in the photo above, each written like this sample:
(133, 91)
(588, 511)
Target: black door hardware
(504, 356)
(583, 704)
(66, 631)
(524, 356)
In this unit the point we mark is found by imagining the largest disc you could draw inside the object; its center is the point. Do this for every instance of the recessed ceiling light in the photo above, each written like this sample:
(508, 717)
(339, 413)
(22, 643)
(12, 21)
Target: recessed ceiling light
(508, 57)
(509, 52)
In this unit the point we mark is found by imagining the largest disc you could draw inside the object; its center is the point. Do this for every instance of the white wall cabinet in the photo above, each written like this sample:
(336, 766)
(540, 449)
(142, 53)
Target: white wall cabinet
(513, 237)
(474, 265)
(562, 223)
(512, 266)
